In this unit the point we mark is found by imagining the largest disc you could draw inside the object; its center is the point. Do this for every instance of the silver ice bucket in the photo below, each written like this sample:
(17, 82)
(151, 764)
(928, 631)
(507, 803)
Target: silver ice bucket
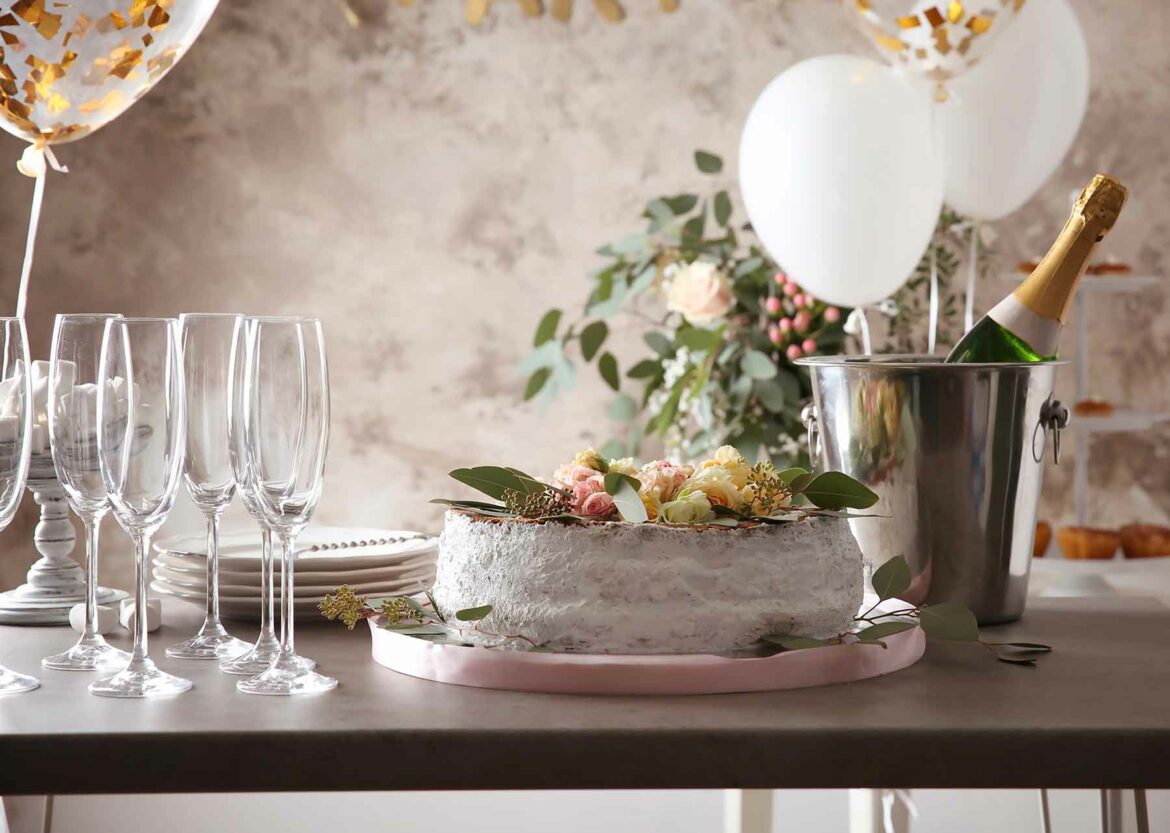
(956, 454)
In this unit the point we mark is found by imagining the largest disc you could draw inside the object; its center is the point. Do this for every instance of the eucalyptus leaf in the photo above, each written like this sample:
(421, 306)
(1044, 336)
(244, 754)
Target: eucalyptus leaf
(592, 337)
(681, 203)
(415, 630)
(795, 643)
(746, 267)
(607, 366)
(644, 279)
(837, 490)
(536, 382)
(473, 614)
(708, 162)
(732, 522)
(623, 409)
(949, 620)
(472, 505)
(797, 484)
(884, 629)
(788, 475)
(722, 208)
(546, 355)
(624, 490)
(547, 328)
(692, 230)
(613, 450)
(644, 369)
(494, 481)
(659, 343)
(892, 579)
(757, 365)
(699, 339)
(770, 394)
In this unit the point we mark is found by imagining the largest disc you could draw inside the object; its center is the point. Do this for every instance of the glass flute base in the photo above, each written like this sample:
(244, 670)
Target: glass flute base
(91, 653)
(143, 679)
(260, 659)
(212, 642)
(285, 678)
(13, 683)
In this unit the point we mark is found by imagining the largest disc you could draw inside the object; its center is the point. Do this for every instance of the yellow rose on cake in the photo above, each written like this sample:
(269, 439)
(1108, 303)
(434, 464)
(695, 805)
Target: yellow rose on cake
(717, 484)
(687, 508)
(700, 292)
(736, 464)
(625, 465)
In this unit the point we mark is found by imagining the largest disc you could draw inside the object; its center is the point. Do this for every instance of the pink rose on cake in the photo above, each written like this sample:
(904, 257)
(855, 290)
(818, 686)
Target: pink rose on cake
(662, 479)
(590, 498)
(700, 292)
(570, 474)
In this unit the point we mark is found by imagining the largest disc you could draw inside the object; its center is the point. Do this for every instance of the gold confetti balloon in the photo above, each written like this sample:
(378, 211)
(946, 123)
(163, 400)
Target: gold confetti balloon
(69, 67)
(935, 39)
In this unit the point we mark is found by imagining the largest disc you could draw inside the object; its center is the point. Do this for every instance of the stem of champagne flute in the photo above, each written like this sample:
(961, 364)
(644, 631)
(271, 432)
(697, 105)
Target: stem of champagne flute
(92, 524)
(212, 615)
(266, 582)
(138, 655)
(287, 645)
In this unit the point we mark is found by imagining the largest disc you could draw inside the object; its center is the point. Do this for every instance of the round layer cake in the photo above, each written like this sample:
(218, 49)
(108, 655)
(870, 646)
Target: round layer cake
(648, 588)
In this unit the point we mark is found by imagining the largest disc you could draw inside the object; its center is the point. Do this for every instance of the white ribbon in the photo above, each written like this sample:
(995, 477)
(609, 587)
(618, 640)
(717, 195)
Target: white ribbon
(34, 162)
(972, 273)
(858, 324)
(888, 799)
(932, 334)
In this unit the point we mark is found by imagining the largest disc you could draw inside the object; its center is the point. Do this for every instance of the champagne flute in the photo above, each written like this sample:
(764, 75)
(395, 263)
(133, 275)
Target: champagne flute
(206, 347)
(15, 427)
(72, 411)
(286, 438)
(267, 646)
(141, 419)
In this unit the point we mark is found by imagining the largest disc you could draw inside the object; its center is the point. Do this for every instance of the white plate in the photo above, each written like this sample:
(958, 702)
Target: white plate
(240, 550)
(248, 609)
(1078, 577)
(236, 591)
(191, 568)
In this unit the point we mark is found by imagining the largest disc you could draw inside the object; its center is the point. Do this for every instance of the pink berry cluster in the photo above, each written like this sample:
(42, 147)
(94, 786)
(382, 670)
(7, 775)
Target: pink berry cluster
(795, 315)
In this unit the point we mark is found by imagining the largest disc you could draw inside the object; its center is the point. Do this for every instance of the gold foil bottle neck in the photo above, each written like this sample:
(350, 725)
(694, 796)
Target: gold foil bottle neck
(1101, 202)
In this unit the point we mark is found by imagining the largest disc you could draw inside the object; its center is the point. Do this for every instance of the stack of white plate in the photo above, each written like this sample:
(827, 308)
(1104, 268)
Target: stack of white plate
(375, 562)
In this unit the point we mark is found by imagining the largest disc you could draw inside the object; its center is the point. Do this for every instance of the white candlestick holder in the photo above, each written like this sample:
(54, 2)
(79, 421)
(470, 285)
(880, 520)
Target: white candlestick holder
(56, 582)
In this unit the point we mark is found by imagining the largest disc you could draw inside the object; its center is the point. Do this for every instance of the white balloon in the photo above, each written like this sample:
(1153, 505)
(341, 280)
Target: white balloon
(840, 177)
(1011, 119)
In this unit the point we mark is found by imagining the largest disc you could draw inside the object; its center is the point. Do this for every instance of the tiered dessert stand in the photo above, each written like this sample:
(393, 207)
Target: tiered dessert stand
(1121, 420)
(56, 582)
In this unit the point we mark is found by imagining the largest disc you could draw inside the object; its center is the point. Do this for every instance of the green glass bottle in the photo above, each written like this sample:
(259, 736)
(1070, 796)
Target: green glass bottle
(1025, 326)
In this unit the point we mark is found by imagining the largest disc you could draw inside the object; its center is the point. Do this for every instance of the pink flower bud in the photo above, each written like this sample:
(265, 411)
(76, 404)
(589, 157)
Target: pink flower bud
(772, 305)
(832, 315)
(775, 334)
(791, 289)
(808, 346)
(780, 278)
(793, 352)
(802, 321)
(785, 325)
(798, 300)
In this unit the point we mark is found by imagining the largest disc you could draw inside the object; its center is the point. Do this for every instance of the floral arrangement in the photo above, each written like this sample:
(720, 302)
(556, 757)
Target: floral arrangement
(724, 490)
(723, 324)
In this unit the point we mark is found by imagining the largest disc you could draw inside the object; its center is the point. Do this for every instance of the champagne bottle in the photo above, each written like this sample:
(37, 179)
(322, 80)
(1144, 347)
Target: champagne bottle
(1025, 326)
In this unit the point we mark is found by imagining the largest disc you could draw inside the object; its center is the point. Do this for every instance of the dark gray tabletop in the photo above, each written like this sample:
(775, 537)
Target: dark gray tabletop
(1096, 713)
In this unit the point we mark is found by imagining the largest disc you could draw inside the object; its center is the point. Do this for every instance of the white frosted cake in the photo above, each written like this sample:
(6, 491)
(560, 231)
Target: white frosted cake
(650, 588)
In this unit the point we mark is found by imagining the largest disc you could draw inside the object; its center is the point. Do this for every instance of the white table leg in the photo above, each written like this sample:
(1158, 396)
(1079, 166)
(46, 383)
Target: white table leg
(747, 811)
(866, 813)
(1045, 815)
(1142, 811)
(26, 814)
(1111, 818)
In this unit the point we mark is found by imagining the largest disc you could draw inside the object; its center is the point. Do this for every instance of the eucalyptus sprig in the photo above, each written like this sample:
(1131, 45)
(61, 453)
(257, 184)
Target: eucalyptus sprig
(946, 620)
(408, 616)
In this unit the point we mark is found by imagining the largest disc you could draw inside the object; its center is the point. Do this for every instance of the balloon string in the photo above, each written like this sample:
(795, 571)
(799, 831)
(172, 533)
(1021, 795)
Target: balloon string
(972, 273)
(932, 336)
(33, 163)
(863, 323)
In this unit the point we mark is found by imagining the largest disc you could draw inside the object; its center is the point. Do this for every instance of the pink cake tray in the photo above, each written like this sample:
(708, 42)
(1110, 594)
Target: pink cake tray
(629, 674)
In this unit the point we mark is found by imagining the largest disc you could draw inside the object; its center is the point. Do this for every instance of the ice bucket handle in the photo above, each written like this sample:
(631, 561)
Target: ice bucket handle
(1053, 417)
(808, 416)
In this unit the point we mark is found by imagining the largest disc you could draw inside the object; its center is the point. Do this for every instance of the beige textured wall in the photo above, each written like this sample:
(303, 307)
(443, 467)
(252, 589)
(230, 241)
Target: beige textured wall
(429, 189)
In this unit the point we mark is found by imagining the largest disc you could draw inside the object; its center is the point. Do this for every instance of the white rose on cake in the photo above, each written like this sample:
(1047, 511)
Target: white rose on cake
(700, 292)
(687, 508)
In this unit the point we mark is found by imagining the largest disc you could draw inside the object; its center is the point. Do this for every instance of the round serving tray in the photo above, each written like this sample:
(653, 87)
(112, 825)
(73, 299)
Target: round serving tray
(563, 673)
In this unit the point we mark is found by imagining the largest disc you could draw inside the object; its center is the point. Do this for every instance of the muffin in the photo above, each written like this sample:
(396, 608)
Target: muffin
(1145, 540)
(1092, 407)
(1042, 540)
(1083, 542)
